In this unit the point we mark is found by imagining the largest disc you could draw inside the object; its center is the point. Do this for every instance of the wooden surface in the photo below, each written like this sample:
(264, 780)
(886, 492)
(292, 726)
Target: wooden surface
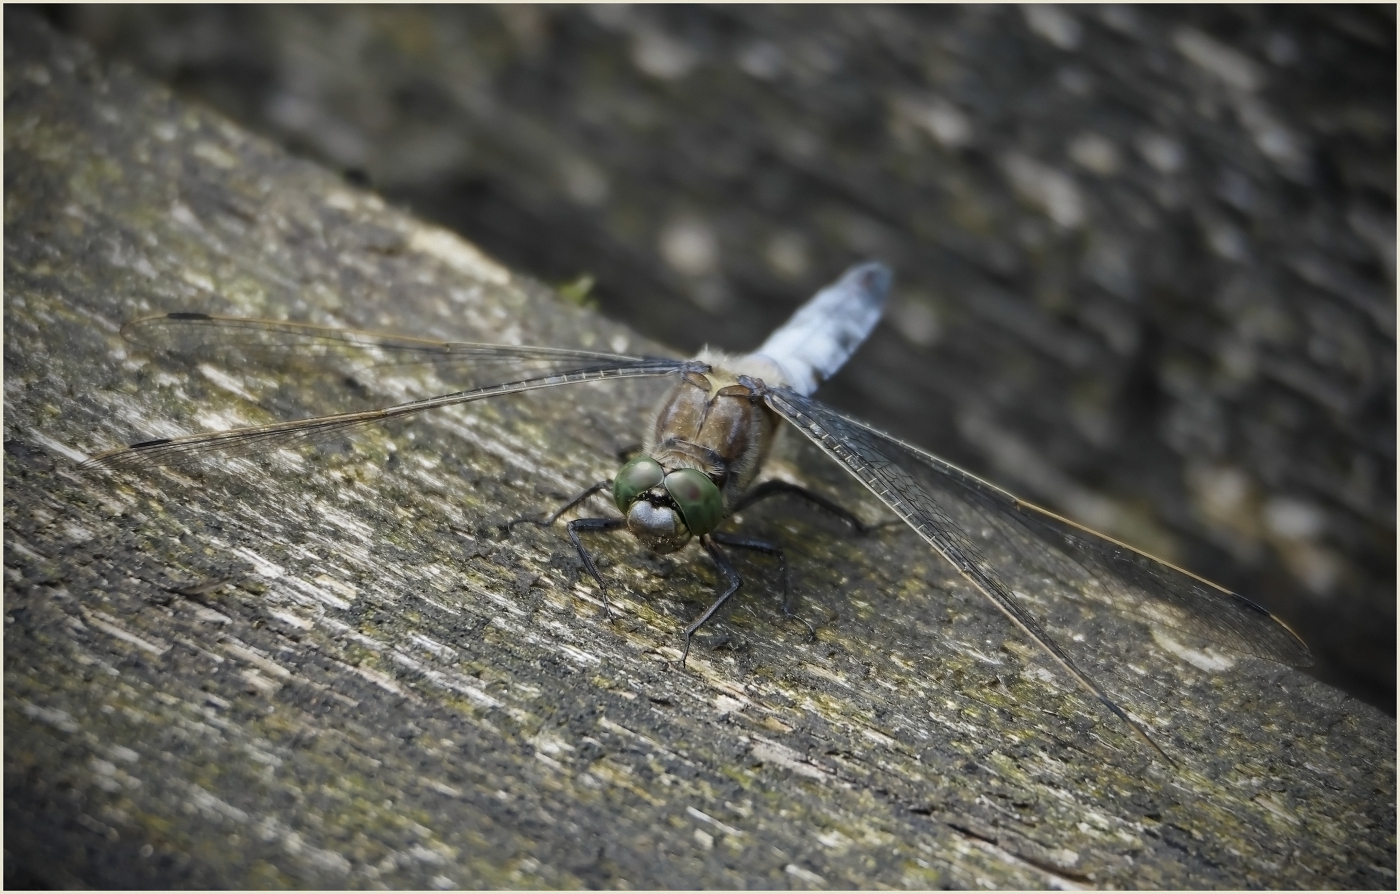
(1146, 255)
(332, 668)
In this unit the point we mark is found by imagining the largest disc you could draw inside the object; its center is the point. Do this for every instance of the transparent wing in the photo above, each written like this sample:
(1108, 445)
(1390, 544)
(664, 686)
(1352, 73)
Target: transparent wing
(993, 528)
(523, 368)
(241, 339)
(988, 535)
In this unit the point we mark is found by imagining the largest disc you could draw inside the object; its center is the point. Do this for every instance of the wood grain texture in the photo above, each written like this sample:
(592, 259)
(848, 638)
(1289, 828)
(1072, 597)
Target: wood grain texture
(1146, 256)
(332, 668)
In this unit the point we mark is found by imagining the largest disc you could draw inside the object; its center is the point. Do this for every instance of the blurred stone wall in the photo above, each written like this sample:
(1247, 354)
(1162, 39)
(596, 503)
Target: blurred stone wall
(1145, 256)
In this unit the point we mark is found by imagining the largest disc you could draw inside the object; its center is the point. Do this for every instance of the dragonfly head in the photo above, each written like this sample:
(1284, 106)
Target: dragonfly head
(665, 509)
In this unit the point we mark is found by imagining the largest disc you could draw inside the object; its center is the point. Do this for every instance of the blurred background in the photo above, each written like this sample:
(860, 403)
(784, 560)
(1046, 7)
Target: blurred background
(1144, 256)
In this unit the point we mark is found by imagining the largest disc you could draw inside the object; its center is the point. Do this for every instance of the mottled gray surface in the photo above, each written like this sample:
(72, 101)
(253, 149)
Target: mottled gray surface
(330, 669)
(1145, 255)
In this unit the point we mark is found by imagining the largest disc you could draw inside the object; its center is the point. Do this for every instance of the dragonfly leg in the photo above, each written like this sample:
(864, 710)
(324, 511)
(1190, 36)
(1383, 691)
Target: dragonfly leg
(774, 487)
(576, 499)
(594, 524)
(732, 583)
(764, 546)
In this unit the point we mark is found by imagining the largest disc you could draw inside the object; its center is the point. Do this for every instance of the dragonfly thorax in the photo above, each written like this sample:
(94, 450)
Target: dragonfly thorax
(712, 423)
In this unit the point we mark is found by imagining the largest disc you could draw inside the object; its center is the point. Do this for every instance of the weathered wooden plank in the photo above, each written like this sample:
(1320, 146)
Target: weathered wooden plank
(1146, 255)
(331, 668)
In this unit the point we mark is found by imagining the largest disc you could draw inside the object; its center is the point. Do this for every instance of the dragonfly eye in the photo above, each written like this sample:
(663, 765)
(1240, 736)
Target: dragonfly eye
(697, 499)
(636, 478)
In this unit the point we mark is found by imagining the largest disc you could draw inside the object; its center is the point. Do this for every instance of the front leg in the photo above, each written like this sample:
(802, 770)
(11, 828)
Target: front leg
(577, 525)
(576, 499)
(732, 582)
(771, 549)
(594, 524)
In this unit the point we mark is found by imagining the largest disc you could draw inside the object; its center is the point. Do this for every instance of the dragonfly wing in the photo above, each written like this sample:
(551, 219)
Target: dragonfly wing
(176, 451)
(245, 340)
(876, 461)
(988, 534)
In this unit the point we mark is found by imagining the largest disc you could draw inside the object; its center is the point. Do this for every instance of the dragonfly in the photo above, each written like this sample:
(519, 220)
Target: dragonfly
(705, 448)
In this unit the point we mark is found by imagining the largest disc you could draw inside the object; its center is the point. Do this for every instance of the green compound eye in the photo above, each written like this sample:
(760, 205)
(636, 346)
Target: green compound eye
(636, 478)
(700, 503)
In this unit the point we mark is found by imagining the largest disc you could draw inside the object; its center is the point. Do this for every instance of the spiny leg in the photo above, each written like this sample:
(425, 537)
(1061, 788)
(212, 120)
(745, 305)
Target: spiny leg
(594, 524)
(775, 487)
(573, 501)
(581, 524)
(732, 582)
(764, 546)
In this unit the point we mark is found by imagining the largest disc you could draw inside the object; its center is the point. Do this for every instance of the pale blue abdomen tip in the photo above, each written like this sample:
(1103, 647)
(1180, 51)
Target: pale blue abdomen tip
(825, 332)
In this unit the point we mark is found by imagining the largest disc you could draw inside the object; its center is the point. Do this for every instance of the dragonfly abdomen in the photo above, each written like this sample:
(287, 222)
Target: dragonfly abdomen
(823, 334)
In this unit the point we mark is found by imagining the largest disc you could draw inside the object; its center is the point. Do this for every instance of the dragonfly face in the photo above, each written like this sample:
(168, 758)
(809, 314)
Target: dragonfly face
(665, 509)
